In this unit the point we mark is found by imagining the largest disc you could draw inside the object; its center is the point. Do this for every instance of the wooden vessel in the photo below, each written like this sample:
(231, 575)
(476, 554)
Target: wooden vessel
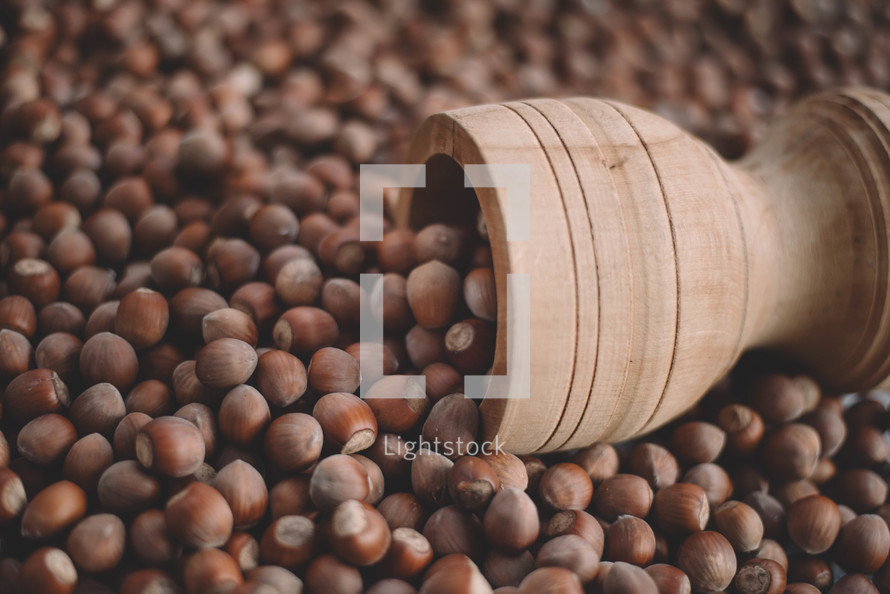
(654, 264)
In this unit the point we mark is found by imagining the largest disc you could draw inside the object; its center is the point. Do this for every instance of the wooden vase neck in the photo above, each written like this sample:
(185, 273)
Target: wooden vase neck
(654, 264)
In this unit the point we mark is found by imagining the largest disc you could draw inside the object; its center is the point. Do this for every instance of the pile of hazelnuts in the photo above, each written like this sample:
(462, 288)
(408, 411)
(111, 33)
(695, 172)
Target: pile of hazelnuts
(180, 359)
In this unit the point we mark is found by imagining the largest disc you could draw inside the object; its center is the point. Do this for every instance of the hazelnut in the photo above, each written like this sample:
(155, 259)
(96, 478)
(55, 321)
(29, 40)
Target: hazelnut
(88, 287)
(333, 370)
(713, 479)
(470, 345)
(454, 573)
(743, 428)
(277, 577)
(229, 323)
(853, 583)
(98, 409)
(150, 540)
(293, 442)
(442, 379)
(69, 250)
(124, 439)
(259, 301)
(190, 306)
(511, 520)
(425, 346)
(389, 303)
(176, 268)
(299, 282)
(231, 263)
(697, 442)
(151, 397)
(36, 280)
(863, 544)
(87, 459)
(17, 354)
(862, 489)
(453, 420)
(146, 580)
(12, 495)
(430, 474)
(281, 378)
(225, 362)
(433, 291)
(47, 570)
(831, 428)
(622, 494)
(289, 541)
(771, 512)
(790, 452)
(97, 543)
(59, 316)
(245, 491)
(396, 252)
(555, 578)
(342, 251)
(480, 294)
(708, 559)
(682, 507)
(34, 393)
(814, 523)
(124, 487)
(107, 357)
(304, 330)
(53, 509)
(346, 420)
(578, 523)
(46, 439)
(788, 493)
(358, 533)
(403, 510)
(811, 570)
(142, 318)
(60, 352)
(740, 524)
(110, 233)
(336, 479)
(450, 530)
(199, 516)
(655, 464)
(506, 569)
(777, 398)
(170, 446)
(760, 576)
(408, 555)
(327, 574)
(211, 570)
(341, 298)
(669, 579)
(101, 319)
(631, 540)
(244, 549)
(510, 469)
(398, 402)
(472, 483)
(273, 225)
(243, 415)
(438, 242)
(773, 550)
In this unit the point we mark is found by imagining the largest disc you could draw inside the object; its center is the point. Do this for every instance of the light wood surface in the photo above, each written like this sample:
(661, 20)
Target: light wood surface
(654, 264)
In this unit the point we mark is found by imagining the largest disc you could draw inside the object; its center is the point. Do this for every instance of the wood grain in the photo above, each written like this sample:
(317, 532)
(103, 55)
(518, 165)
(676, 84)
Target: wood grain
(654, 264)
